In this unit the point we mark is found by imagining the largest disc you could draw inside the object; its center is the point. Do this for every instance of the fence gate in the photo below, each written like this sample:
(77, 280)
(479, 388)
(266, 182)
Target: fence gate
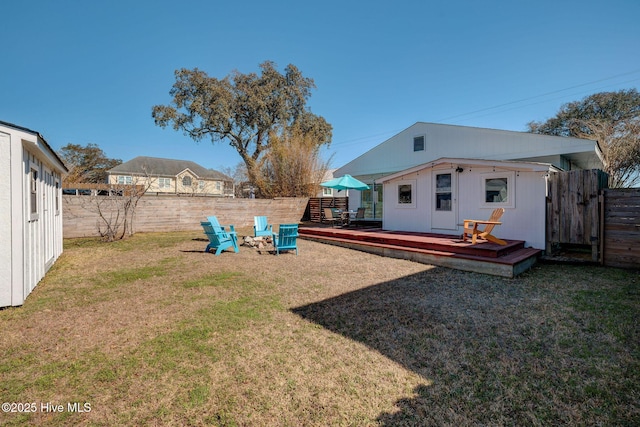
(573, 211)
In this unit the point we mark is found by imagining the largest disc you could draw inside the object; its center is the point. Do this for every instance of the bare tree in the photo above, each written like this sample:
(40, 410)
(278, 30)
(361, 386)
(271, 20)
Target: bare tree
(240, 178)
(115, 206)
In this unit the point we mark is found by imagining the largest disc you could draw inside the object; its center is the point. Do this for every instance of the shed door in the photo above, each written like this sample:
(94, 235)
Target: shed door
(444, 206)
(48, 217)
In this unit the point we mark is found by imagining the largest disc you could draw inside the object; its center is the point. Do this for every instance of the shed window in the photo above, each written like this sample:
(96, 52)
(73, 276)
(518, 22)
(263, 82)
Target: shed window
(418, 143)
(33, 201)
(57, 197)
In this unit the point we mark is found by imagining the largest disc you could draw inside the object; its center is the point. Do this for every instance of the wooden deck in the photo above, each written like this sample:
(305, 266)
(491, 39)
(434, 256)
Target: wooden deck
(436, 249)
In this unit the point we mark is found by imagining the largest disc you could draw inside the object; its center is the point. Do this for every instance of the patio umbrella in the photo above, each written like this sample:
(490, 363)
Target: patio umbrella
(345, 182)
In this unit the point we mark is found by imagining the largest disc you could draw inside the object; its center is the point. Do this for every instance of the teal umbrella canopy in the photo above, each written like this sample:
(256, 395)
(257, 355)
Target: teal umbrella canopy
(345, 182)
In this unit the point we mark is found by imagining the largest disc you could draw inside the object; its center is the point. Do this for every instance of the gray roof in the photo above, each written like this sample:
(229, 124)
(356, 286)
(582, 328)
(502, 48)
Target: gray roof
(166, 167)
(55, 155)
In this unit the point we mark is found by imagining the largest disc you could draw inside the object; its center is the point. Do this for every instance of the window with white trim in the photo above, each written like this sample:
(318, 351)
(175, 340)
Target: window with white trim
(57, 197)
(33, 193)
(327, 192)
(164, 183)
(406, 194)
(498, 189)
(125, 180)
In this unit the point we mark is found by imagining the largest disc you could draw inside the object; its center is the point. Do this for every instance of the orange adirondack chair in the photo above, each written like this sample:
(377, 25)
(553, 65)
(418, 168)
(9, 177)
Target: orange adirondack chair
(471, 228)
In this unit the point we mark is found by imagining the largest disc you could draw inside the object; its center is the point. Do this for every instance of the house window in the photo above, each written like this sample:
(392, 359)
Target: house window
(201, 185)
(164, 183)
(498, 189)
(327, 192)
(443, 192)
(186, 181)
(418, 143)
(33, 193)
(125, 180)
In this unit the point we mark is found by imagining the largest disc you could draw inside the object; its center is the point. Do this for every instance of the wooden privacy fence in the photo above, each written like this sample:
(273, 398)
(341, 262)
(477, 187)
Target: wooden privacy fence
(582, 211)
(317, 204)
(573, 211)
(621, 223)
(175, 213)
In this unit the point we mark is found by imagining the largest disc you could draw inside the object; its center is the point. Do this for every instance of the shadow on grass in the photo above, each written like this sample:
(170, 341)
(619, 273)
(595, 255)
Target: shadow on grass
(492, 351)
(421, 322)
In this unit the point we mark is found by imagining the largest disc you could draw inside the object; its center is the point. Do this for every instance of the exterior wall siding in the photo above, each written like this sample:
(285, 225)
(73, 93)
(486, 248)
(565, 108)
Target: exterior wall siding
(5, 219)
(524, 221)
(31, 242)
(396, 154)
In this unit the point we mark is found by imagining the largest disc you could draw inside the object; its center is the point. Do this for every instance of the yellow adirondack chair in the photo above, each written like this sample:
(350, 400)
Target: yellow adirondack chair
(471, 228)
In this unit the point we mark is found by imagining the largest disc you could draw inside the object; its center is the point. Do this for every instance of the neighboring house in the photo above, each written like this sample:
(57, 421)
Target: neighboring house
(30, 211)
(172, 177)
(328, 192)
(426, 142)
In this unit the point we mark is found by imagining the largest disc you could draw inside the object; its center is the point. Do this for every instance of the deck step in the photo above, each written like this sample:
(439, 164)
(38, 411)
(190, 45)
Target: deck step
(509, 263)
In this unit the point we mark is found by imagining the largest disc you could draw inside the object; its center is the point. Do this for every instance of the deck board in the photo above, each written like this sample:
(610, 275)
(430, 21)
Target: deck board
(438, 249)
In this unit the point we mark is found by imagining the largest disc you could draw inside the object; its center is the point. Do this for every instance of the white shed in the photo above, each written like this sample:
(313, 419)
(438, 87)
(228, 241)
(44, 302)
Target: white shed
(437, 196)
(30, 211)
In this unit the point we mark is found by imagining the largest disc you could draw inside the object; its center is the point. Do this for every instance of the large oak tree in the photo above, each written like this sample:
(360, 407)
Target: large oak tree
(612, 119)
(246, 110)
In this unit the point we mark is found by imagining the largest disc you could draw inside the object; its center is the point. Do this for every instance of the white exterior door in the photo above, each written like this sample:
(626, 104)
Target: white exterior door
(444, 202)
(48, 216)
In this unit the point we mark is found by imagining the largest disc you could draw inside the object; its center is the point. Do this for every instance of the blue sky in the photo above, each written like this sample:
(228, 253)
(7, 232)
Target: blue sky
(89, 72)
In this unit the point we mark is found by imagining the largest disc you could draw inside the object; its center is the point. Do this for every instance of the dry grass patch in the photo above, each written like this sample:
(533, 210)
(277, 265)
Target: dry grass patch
(151, 331)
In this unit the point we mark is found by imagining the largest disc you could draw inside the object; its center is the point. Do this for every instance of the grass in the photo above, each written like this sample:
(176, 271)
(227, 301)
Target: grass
(151, 331)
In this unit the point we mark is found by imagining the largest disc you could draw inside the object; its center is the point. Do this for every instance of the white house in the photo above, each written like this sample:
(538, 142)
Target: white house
(30, 211)
(328, 192)
(438, 196)
(423, 142)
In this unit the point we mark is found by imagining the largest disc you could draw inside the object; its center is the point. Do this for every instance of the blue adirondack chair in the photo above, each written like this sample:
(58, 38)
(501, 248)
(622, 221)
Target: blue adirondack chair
(219, 238)
(214, 221)
(286, 239)
(220, 228)
(261, 227)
